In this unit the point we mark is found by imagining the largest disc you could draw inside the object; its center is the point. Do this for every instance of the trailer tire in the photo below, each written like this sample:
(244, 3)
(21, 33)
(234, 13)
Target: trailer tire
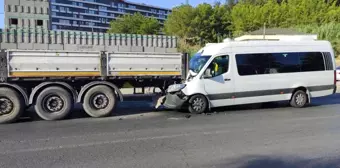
(99, 101)
(198, 104)
(53, 103)
(17, 105)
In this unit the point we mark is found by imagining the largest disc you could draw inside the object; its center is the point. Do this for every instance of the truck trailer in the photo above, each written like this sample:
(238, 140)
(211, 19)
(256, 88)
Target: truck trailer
(53, 81)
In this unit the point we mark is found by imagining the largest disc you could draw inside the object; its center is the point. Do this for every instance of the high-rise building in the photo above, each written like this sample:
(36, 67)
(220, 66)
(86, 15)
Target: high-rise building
(80, 15)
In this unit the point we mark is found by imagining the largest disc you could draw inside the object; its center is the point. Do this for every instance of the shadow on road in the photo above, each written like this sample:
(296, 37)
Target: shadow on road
(321, 101)
(138, 104)
(278, 162)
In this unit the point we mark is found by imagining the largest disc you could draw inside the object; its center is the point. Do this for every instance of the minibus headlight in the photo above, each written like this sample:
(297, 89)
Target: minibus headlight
(176, 88)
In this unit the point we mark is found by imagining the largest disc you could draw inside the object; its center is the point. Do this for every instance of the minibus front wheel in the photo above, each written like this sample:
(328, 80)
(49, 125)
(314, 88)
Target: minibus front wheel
(198, 104)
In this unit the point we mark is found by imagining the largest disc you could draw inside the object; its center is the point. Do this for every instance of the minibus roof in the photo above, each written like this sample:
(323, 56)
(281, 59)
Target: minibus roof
(236, 46)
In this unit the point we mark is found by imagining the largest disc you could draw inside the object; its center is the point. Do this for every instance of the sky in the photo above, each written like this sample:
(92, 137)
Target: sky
(161, 3)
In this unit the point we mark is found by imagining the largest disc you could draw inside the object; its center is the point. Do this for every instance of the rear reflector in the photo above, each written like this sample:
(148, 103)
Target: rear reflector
(335, 77)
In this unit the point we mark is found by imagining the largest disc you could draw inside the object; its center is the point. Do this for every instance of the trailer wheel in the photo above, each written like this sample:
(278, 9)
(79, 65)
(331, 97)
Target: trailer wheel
(53, 103)
(198, 104)
(99, 101)
(11, 105)
(299, 99)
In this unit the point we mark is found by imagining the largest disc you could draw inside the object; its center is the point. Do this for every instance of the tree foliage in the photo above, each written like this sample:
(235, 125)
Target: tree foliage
(207, 23)
(135, 24)
(204, 23)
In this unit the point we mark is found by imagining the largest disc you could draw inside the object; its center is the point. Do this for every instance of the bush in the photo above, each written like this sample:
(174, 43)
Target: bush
(328, 31)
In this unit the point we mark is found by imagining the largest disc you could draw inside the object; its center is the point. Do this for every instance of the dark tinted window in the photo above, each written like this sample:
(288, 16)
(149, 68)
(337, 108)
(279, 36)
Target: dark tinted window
(269, 63)
(285, 62)
(312, 62)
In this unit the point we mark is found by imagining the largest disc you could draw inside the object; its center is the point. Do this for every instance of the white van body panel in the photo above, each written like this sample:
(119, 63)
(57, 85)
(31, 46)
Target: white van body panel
(262, 87)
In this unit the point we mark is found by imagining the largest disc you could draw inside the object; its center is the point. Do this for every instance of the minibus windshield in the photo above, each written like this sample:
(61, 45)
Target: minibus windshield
(197, 62)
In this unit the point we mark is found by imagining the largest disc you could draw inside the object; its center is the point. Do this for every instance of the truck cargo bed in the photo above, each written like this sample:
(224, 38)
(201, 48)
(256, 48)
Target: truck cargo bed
(39, 63)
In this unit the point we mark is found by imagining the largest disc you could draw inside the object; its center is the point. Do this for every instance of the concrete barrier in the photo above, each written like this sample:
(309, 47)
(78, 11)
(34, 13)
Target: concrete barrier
(83, 41)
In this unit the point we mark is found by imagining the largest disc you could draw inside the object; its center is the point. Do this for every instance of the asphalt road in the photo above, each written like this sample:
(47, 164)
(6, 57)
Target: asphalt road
(274, 136)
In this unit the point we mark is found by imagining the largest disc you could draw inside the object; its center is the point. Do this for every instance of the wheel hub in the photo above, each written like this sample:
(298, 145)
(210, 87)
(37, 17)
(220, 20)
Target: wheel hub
(6, 106)
(198, 104)
(100, 101)
(54, 103)
(300, 99)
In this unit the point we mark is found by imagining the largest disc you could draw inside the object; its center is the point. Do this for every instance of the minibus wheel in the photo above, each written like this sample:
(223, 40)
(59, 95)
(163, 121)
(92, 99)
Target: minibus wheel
(299, 99)
(198, 104)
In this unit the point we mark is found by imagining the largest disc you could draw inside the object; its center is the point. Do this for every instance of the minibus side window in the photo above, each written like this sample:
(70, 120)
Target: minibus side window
(219, 65)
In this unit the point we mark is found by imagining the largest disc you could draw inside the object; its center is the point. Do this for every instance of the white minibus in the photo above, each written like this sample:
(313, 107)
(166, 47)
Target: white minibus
(247, 72)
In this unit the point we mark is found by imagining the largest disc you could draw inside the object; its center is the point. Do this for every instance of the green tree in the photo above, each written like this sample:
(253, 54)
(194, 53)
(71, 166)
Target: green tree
(179, 22)
(135, 24)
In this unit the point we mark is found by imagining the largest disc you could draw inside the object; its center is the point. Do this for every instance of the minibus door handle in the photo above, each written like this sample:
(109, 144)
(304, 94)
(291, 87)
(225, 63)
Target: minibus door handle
(227, 79)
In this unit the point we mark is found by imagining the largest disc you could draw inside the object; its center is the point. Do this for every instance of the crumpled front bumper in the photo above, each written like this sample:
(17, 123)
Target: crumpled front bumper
(175, 100)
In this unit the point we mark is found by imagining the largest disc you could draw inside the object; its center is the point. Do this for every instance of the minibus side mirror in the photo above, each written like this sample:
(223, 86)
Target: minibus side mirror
(207, 74)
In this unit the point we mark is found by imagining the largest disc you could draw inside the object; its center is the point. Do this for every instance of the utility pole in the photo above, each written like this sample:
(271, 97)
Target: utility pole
(264, 31)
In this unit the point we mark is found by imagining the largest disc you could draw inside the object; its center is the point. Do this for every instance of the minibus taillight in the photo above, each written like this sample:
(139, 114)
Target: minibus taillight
(334, 77)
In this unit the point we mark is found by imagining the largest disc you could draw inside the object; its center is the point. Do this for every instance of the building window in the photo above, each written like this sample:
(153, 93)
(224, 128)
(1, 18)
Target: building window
(121, 10)
(113, 4)
(8, 8)
(80, 4)
(22, 9)
(162, 16)
(112, 14)
(75, 16)
(47, 11)
(153, 11)
(54, 27)
(54, 13)
(35, 10)
(40, 22)
(132, 7)
(62, 9)
(13, 21)
(162, 12)
(120, 5)
(54, 7)
(92, 12)
(64, 21)
(102, 8)
(15, 8)
(75, 22)
(28, 9)
(74, 3)
(81, 16)
(53, 1)
(41, 10)
(23, 22)
(103, 13)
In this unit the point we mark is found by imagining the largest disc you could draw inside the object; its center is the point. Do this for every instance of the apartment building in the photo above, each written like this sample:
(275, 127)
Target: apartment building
(77, 15)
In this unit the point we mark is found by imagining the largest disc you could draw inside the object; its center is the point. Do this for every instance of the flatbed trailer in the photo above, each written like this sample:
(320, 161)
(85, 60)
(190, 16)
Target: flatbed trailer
(53, 81)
